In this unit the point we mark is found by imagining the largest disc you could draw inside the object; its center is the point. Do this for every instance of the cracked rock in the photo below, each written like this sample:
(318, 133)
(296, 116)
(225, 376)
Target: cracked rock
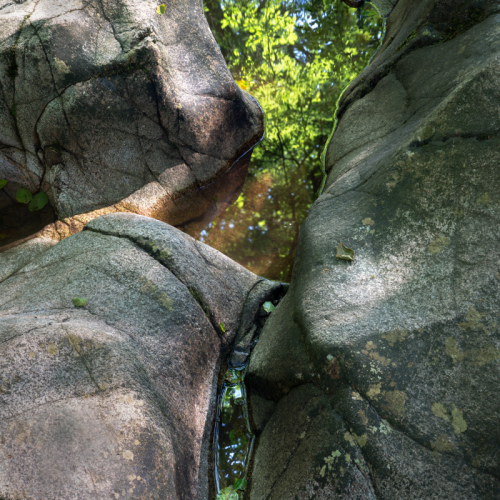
(109, 107)
(405, 341)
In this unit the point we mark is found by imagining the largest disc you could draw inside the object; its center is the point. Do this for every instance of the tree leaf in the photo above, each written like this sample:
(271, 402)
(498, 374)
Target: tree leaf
(344, 253)
(23, 196)
(38, 202)
(268, 307)
(240, 484)
(227, 494)
(222, 327)
(161, 9)
(80, 301)
(2, 183)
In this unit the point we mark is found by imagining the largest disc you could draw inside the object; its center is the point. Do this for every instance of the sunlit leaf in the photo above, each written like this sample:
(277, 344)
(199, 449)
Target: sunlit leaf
(38, 202)
(222, 327)
(23, 196)
(161, 9)
(240, 484)
(268, 307)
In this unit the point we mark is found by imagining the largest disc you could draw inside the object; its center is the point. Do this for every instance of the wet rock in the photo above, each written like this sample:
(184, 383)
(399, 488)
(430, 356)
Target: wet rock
(109, 107)
(115, 399)
(403, 342)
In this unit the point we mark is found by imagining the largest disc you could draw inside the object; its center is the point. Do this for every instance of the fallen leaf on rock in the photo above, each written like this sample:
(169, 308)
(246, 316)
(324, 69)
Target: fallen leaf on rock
(80, 301)
(161, 9)
(344, 253)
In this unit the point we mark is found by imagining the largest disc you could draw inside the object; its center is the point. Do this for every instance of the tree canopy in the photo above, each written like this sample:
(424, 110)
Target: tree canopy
(295, 58)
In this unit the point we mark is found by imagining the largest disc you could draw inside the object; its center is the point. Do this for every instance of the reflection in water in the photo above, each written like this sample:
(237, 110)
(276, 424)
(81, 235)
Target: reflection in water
(233, 439)
(295, 57)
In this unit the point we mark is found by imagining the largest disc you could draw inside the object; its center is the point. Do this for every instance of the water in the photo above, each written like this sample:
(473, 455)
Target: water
(233, 439)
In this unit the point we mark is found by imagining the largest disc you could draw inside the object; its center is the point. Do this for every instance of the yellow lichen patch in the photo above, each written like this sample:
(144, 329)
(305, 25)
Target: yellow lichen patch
(481, 357)
(128, 455)
(361, 440)
(377, 357)
(457, 420)
(473, 320)
(395, 402)
(370, 345)
(443, 443)
(451, 348)
(52, 349)
(32, 354)
(349, 438)
(439, 244)
(368, 222)
(61, 66)
(373, 390)
(440, 411)
(484, 199)
(363, 417)
(395, 336)
(356, 396)
(75, 341)
(329, 462)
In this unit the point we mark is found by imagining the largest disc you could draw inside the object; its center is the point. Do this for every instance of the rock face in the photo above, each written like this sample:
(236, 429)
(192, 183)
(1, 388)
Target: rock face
(115, 399)
(379, 378)
(108, 105)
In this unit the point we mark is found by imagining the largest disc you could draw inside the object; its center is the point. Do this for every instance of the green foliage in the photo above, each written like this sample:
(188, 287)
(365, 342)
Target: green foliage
(295, 58)
(161, 9)
(234, 376)
(228, 493)
(23, 196)
(38, 202)
(232, 492)
(222, 327)
(240, 484)
(80, 301)
(2, 183)
(268, 307)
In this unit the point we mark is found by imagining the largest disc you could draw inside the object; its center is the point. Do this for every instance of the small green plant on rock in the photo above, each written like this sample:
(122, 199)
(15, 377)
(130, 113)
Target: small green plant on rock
(35, 202)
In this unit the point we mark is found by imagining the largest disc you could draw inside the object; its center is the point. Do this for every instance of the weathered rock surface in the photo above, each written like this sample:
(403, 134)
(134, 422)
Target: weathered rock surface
(108, 105)
(115, 399)
(379, 378)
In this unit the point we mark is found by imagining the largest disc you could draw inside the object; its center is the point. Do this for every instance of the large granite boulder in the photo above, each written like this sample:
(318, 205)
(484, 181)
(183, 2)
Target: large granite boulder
(115, 399)
(110, 106)
(378, 378)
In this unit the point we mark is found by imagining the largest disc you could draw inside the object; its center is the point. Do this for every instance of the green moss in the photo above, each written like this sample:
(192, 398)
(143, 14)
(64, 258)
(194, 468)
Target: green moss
(410, 37)
(149, 288)
(199, 298)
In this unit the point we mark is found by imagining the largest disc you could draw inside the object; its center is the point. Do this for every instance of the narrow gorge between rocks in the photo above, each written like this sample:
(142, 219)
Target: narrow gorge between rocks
(162, 261)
